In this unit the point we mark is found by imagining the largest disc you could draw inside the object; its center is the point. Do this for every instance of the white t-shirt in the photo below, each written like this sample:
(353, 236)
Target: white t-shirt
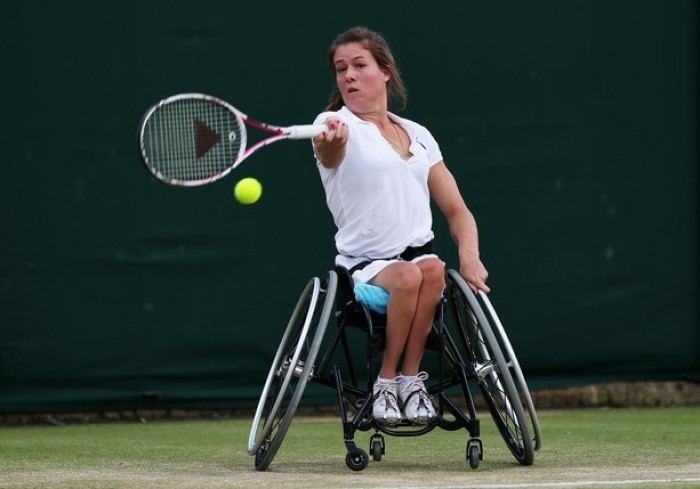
(380, 202)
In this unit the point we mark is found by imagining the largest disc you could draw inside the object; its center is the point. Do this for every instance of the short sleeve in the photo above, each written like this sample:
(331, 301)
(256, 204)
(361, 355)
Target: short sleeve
(426, 139)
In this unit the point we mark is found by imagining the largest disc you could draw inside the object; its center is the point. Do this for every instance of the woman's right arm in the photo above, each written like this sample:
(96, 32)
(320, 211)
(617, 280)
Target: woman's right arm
(329, 146)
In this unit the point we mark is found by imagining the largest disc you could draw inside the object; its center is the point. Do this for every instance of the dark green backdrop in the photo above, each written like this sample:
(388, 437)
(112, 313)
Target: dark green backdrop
(570, 127)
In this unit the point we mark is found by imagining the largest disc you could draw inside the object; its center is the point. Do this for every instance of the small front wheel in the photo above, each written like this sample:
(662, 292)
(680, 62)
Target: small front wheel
(376, 447)
(357, 460)
(376, 451)
(473, 456)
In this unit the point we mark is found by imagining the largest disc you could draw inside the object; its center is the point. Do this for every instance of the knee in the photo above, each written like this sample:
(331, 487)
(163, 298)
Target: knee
(433, 276)
(408, 279)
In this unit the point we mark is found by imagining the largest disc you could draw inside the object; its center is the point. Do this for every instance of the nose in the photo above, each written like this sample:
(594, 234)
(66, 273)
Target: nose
(349, 74)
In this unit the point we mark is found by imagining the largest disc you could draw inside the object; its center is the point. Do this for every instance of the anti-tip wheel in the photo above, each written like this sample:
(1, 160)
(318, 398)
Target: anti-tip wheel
(357, 459)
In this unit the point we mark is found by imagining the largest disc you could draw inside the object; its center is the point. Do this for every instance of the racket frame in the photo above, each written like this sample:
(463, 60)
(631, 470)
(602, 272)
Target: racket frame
(303, 131)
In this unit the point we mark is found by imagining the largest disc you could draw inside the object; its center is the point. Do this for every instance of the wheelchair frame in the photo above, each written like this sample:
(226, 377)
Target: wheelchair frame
(471, 345)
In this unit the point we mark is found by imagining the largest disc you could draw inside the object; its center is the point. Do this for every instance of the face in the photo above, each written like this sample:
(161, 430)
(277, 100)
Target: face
(361, 81)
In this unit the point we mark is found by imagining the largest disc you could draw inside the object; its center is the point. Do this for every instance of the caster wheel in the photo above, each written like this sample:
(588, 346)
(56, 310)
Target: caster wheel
(377, 451)
(474, 457)
(357, 460)
(376, 447)
(474, 453)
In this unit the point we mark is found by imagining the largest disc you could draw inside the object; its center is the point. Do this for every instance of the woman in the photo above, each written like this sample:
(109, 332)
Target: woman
(379, 172)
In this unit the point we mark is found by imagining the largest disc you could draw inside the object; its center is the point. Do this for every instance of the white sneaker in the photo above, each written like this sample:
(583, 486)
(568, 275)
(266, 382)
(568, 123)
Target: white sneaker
(385, 409)
(417, 406)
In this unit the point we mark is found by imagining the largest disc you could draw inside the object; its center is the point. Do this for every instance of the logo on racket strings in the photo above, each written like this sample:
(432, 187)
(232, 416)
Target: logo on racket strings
(205, 138)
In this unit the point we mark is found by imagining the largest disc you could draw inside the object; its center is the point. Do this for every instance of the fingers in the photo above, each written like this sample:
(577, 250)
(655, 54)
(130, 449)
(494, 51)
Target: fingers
(336, 132)
(476, 279)
(482, 286)
(482, 281)
(477, 284)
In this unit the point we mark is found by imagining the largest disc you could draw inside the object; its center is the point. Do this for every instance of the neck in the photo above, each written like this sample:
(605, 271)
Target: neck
(377, 114)
(380, 119)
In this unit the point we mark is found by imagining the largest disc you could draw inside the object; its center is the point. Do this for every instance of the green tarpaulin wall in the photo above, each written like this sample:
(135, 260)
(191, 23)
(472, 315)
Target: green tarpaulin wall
(571, 128)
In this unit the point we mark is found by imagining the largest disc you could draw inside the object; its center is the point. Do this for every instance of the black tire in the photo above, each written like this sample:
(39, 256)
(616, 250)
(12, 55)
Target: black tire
(291, 369)
(481, 349)
(514, 368)
(376, 450)
(473, 456)
(357, 459)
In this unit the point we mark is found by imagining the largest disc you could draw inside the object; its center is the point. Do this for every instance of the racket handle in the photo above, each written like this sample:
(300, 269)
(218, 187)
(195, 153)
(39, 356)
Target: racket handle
(307, 131)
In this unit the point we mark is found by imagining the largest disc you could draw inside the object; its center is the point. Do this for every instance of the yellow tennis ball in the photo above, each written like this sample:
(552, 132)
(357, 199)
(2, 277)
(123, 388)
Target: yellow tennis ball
(247, 191)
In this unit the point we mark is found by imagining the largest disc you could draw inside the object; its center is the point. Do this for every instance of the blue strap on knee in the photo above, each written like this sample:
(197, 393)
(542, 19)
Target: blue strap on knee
(374, 297)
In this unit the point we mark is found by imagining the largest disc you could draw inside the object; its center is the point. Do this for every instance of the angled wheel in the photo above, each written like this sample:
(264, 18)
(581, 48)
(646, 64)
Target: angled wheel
(291, 369)
(482, 351)
(514, 368)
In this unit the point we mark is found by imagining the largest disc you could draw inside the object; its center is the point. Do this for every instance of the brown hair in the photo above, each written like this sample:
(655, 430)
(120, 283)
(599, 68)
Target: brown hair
(375, 44)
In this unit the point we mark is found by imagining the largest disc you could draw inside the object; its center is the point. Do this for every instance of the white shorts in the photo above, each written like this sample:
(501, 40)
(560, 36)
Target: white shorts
(370, 271)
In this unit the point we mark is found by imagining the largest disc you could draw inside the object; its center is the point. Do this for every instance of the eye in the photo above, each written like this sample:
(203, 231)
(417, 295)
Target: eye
(340, 69)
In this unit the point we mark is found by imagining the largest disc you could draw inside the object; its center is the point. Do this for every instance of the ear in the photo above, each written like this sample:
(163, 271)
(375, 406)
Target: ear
(387, 76)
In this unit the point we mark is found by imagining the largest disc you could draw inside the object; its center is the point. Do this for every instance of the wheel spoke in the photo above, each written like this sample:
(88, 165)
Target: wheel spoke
(291, 369)
(491, 368)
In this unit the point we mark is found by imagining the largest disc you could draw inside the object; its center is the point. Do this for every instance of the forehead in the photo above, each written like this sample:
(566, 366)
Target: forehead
(348, 52)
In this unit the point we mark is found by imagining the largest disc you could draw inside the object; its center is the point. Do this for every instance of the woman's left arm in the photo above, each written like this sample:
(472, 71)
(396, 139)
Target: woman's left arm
(444, 191)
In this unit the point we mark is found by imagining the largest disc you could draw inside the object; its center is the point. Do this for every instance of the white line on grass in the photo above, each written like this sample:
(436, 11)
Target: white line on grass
(563, 484)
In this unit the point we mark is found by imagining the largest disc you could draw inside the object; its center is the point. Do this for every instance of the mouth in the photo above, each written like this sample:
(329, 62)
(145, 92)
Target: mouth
(353, 90)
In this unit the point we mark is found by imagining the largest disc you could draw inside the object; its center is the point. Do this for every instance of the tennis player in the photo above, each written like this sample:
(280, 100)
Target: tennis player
(379, 172)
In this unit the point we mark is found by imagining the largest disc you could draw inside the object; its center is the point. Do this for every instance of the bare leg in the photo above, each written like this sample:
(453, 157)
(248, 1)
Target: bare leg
(429, 294)
(403, 282)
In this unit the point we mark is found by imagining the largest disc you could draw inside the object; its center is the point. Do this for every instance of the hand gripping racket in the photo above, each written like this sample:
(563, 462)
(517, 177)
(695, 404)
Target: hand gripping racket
(193, 139)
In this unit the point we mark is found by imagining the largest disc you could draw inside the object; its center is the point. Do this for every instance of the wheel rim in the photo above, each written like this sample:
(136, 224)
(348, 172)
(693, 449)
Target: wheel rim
(492, 375)
(514, 367)
(279, 385)
(291, 369)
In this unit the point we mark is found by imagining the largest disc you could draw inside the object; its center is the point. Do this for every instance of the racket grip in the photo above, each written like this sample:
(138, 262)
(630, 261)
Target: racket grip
(307, 131)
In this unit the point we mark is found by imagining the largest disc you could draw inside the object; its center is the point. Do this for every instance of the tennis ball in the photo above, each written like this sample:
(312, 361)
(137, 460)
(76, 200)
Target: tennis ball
(247, 191)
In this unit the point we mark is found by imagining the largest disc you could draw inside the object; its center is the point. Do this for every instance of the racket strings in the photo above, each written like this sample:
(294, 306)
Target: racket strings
(192, 140)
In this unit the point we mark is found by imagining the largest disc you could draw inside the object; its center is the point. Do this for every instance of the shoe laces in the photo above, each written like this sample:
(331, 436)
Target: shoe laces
(416, 387)
(387, 393)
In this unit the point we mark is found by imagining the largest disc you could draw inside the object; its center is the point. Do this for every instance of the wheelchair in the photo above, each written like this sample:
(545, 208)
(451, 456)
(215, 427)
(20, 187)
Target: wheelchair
(471, 351)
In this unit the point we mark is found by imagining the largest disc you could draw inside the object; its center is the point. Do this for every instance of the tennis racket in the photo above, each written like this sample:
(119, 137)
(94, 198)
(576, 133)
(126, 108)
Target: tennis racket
(193, 139)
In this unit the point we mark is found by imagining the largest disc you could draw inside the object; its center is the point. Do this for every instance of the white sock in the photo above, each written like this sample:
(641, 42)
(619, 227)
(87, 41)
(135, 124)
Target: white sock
(381, 380)
(401, 379)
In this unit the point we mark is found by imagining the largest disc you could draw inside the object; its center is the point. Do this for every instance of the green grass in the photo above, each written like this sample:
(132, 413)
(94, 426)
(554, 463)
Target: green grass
(579, 446)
